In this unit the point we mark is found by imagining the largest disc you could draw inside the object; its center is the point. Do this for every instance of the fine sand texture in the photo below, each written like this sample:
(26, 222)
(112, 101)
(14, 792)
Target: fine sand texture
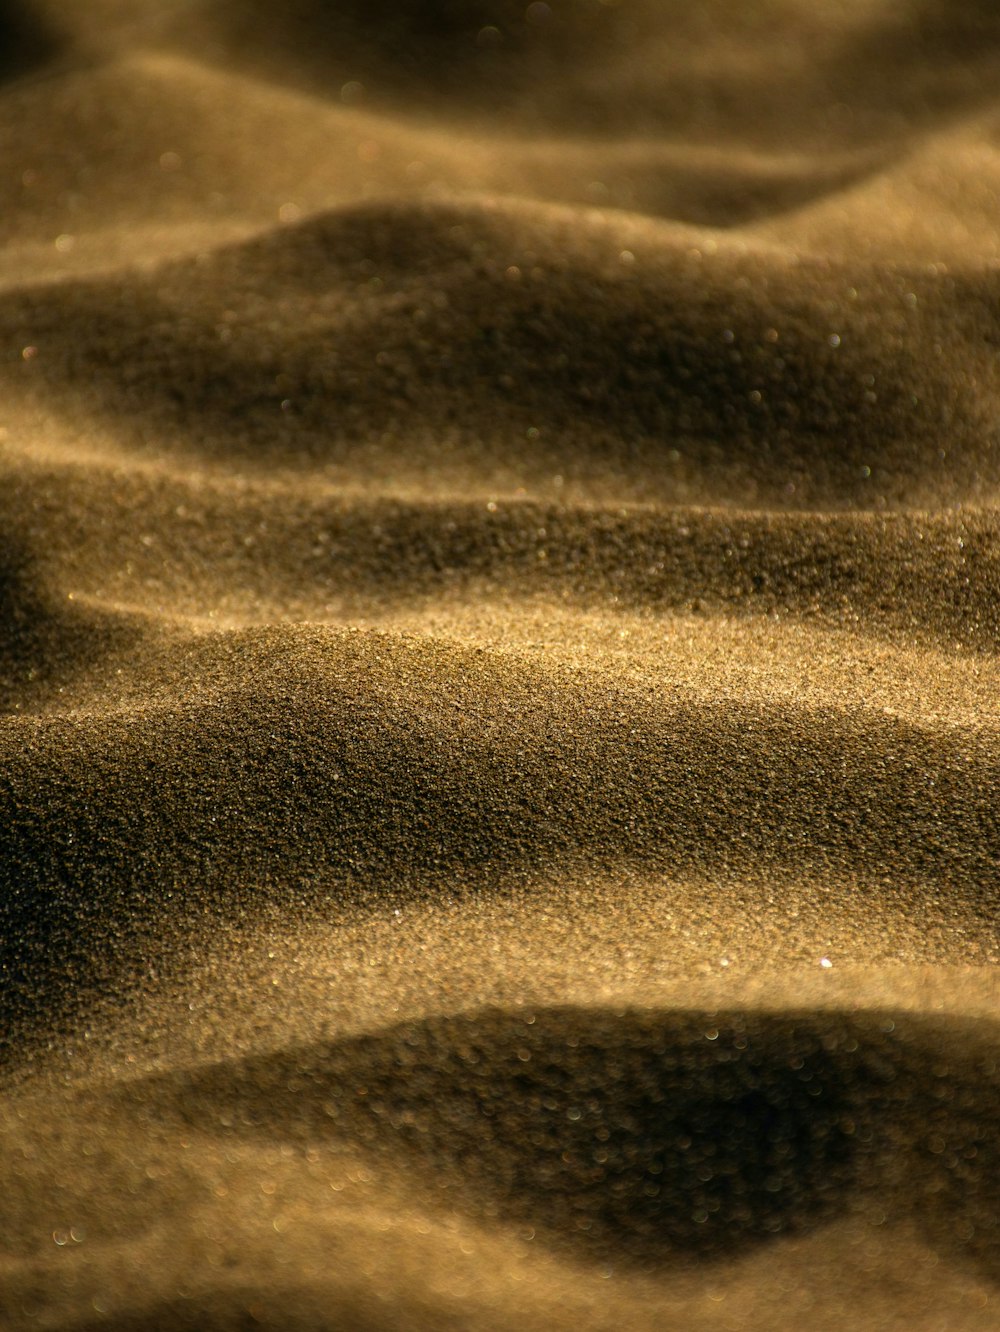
(499, 685)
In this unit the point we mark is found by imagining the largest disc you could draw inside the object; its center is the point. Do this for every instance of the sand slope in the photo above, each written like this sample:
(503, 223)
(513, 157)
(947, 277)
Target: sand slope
(499, 584)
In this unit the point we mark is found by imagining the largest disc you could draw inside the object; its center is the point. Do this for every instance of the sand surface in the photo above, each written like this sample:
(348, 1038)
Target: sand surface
(499, 625)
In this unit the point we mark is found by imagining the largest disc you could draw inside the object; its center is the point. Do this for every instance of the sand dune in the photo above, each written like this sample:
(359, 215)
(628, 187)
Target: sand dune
(702, 376)
(499, 584)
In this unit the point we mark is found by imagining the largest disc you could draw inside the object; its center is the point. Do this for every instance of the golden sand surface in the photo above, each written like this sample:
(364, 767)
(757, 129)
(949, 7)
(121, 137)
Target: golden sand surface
(499, 611)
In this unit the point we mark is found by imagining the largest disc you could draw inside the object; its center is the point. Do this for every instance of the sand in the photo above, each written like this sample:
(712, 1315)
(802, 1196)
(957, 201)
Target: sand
(499, 615)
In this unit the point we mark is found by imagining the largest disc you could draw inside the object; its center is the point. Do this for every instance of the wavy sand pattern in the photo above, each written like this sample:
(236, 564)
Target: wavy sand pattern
(499, 614)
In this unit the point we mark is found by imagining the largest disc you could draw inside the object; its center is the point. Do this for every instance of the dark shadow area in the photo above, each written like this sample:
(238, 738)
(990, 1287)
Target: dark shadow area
(26, 41)
(572, 65)
(248, 1309)
(640, 1138)
(922, 62)
(644, 1137)
(960, 1207)
(487, 54)
(42, 646)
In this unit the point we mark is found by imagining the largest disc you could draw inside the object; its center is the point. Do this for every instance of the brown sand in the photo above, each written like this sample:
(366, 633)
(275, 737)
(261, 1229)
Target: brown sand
(499, 613)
